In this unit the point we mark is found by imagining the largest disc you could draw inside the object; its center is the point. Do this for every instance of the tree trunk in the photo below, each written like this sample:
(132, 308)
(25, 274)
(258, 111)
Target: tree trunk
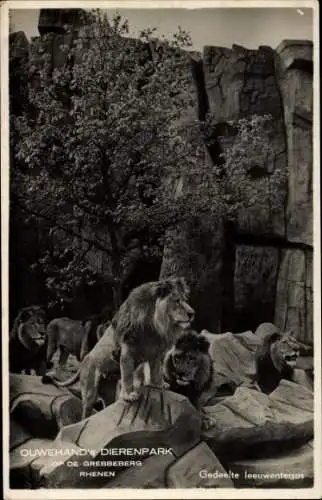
(117, 295)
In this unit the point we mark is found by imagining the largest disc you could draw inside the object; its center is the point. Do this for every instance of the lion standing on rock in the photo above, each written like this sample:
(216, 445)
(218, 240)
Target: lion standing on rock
(144, 328)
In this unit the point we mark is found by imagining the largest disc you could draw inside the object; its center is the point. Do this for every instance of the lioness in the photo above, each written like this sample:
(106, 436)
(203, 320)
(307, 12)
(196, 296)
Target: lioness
(188, 366)
(143, 329)
(27, 341)
(70, 337)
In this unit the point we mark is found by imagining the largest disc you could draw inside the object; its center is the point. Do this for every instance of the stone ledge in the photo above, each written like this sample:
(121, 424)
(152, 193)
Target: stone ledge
(185, 472)
(297, 465)
(295, 54)
(44, 409)
(250, 419)
(160, 419)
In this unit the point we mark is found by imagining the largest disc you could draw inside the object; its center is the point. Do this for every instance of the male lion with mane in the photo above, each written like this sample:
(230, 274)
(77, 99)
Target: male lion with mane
(276, 359)
(188, 366)
(143, 329)
(27, 341)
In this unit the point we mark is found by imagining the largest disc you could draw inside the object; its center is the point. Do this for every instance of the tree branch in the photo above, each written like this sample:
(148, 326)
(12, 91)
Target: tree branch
(69, 231)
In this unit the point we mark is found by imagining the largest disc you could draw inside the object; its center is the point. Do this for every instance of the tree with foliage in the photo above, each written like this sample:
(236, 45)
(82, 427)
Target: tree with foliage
(107, 161)
(101, 136)
(245, 179)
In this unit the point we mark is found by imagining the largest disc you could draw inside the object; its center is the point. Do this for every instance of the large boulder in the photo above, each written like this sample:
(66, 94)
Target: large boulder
(198, 468)
(290, 469)
(30, 457)
(250, 419)
(233, 354)
(234, 362)
(158, 420)
(43, 409)
(151, 474)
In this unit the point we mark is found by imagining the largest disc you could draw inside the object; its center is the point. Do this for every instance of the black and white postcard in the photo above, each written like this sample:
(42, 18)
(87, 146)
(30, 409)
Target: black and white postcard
(160, 204)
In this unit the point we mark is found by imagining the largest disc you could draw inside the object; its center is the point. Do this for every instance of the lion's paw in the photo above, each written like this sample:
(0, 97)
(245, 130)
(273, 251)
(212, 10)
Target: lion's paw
(130, 397)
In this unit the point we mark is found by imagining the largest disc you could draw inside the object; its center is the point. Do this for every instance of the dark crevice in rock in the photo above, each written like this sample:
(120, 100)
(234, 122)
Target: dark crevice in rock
(302, 65)
(302, 121)
(213, 144)
(268, 241)
(199, 79)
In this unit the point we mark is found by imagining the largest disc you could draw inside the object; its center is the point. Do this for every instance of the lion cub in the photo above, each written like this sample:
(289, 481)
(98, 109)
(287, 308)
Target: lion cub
(188, 366)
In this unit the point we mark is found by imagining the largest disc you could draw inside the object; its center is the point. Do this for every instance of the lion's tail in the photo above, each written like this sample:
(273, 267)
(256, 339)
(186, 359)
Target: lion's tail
(50, 379)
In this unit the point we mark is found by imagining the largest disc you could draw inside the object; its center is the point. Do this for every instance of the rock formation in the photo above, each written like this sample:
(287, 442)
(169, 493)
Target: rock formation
(262, 271)
(269, 257)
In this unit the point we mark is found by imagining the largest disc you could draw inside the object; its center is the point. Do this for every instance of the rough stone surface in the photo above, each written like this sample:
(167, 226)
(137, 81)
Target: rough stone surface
(232, 83)
(158, 419)
(295, 76)
(17, 434)
(233, 355)
(199, 254)
(22, 474)
(54, 20)
(296, 54)
(152, 474)
(234, 361)
(202, 265)
(184, 473)
(239, 83)
(18, 45)
(230, 80)
(295, 465)
(250, 417)
(44, 409)
(255, 284)
(294, 295)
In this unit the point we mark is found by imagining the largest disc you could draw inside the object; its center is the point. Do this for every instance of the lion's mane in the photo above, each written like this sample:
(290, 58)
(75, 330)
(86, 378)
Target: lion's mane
(268, 372)
(136, 320)
(191, 342)
(24, 352)
(23, 316)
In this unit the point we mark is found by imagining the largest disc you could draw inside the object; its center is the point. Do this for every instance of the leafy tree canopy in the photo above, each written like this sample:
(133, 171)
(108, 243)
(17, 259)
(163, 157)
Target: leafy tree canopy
(106, 157)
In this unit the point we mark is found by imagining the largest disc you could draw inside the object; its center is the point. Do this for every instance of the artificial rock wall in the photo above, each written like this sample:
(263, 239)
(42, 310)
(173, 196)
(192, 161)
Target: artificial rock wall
(262, 271)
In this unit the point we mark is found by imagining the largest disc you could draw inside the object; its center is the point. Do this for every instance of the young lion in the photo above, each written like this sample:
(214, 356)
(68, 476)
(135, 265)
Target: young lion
(146, 325)
(188, 367)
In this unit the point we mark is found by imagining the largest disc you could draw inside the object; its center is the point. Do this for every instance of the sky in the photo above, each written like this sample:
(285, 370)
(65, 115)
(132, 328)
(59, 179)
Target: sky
(220, 27)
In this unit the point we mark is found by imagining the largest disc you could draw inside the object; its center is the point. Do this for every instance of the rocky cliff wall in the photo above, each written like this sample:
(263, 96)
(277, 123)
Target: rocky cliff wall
(263, 270)
(264, 273)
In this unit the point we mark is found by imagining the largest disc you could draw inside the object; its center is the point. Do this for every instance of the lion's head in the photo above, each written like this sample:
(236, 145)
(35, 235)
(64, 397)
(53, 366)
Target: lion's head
(29, 327)
(172, 310)
(157, 307)
(284, 350)
(189, 355)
